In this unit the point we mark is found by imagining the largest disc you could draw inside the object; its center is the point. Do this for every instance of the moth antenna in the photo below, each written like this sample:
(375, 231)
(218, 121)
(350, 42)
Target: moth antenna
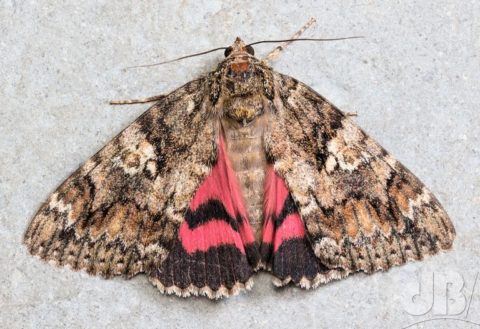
(304, 39)
(274, 53)
(179, 58)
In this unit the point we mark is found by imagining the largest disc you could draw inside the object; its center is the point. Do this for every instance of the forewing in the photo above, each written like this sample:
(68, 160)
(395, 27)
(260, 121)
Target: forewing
(119, 213)
(362, 209)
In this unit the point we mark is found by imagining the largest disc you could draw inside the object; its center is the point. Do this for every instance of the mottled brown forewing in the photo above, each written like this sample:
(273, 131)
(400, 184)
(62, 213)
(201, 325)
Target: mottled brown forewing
(363, 210)
(120, 211)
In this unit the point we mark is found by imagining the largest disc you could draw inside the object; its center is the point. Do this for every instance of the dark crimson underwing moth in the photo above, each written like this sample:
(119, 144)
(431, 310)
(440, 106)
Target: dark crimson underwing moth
(243, 169)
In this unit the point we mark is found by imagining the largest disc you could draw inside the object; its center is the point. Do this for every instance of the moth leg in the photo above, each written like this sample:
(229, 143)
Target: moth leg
(275, 52)
(137, 101)
(351, 114)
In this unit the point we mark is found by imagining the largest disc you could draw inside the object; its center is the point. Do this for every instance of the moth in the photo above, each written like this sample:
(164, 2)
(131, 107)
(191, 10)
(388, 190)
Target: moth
(243, 169)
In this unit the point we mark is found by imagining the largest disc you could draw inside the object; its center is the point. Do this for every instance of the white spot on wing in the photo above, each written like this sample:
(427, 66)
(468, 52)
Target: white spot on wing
(190, 106)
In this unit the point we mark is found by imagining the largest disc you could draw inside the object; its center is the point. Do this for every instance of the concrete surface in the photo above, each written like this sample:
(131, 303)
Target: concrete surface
(414, 82)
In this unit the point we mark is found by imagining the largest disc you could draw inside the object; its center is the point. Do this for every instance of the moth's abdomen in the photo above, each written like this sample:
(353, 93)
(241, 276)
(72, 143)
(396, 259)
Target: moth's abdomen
(247, 156)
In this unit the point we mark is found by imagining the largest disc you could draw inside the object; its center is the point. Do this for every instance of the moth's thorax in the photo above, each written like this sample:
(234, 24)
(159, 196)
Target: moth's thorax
(241, 75)
(240, 85)
(242, 95)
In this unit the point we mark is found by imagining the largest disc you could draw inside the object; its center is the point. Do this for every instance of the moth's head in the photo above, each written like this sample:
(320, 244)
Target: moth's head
(239, 48)
(239, 61)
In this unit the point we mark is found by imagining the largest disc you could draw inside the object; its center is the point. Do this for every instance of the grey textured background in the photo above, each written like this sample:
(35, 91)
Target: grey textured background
(414, 82)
